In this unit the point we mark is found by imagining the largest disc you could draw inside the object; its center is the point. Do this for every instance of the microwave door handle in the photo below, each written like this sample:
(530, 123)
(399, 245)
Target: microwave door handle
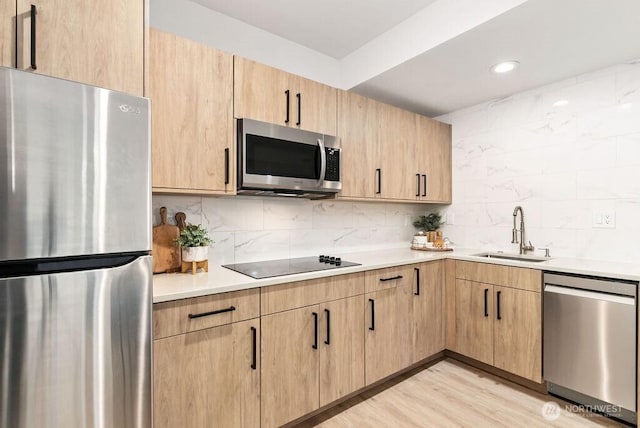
(323, 162)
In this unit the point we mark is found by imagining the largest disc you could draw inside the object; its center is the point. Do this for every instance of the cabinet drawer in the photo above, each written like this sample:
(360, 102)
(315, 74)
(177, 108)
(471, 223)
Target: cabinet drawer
(278, 298)
(381, 279)
(507, 276)
(182, 316)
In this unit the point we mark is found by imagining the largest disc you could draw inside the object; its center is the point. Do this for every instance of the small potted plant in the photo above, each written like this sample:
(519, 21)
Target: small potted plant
(429, 223)
(194, 241)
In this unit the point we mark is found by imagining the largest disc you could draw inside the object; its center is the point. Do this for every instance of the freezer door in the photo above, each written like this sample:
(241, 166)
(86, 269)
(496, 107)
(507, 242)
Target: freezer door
(74, 169)
(75, 349)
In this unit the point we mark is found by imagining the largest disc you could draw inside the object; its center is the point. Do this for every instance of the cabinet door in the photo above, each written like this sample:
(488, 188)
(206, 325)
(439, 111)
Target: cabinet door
(474, 320)
(342, 348)
(290, 365)
(314, 106)
(387, 332)
(260, 93)
(397, 153)
(434, 159)
(358, 129)
(208, 377)
(100, 43)
(518, 332)
(427, 310)
(192, 125)
(7, 33)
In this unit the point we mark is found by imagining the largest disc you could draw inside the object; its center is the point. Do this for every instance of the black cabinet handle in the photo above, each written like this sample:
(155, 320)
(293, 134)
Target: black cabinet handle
(486, 298)
(418, 187)
(499, 316)
(328, 340)
(226, 166)
(373, 315)
(379, 179)
(417, 293)
(299, 97)
(393, 278)
(424, 180)
(254, 359)
(286, 93)
(219, 311)
(34, 12)
(315, 329)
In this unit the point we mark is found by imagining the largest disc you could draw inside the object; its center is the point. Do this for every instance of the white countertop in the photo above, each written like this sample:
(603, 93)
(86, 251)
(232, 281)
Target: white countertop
(175, 286)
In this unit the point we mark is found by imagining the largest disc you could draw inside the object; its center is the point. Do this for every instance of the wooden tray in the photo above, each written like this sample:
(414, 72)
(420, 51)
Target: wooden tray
(431, 249)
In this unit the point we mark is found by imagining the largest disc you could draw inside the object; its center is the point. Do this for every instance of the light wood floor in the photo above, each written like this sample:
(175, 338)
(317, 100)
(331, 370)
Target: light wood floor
(451, 394)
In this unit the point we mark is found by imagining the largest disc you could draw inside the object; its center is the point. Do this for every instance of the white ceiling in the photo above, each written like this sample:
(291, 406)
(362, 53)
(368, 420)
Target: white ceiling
(552, 39)
(333, 27)
(433, 56)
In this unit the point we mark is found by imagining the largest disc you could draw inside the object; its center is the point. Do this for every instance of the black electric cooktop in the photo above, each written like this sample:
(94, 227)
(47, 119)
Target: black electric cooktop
(271, 268)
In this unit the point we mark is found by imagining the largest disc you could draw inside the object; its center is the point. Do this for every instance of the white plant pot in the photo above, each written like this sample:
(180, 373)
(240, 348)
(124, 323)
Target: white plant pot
(195, 254)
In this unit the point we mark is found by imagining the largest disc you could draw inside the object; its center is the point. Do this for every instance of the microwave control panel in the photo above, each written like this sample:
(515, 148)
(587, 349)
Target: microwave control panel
(333, 164)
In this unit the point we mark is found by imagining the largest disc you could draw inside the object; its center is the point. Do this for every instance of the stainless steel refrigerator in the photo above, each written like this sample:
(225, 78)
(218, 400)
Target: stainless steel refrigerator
(75, 269)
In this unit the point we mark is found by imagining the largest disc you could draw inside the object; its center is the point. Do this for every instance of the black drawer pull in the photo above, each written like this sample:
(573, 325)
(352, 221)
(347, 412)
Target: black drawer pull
(219, 311)
(226, 166)
(393, 278)
(424, 190)
(373, 315)
(34, 12)
(379, 178)
(299, 97)
(417, 293)
(315, 329)
(254, 351)
(286, 93)
(328, 341)
(498, 315)
(486, 304)
(418, 187)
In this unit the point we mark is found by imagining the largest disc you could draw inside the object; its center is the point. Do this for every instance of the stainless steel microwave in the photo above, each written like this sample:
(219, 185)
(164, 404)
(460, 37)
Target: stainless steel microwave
(275, 160)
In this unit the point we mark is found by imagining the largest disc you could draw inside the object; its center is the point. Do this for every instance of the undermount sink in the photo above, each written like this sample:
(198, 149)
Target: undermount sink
(516, 257)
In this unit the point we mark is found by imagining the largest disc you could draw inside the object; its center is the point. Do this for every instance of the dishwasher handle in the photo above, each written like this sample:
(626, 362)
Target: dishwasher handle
(595, 295)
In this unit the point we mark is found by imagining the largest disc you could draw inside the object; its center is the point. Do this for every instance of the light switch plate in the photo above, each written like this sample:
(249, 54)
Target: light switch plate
(451, 218)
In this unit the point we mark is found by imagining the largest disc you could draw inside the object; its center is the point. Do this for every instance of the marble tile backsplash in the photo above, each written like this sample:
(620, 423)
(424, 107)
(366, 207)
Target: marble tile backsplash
(563, 164)
(252, 228)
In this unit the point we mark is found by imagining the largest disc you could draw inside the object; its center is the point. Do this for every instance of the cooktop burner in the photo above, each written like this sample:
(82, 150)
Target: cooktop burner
(271, 268)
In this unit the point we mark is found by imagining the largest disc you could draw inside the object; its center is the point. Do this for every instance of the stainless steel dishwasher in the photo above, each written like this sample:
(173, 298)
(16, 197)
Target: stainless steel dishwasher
(590, 342)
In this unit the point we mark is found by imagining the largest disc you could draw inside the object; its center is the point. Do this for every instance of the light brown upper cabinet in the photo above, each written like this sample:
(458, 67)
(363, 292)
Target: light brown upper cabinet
(7, 33)
(358, 129)
(433, 160)
(98, 42)
(270, 95)
(191, 91)
(392, 154)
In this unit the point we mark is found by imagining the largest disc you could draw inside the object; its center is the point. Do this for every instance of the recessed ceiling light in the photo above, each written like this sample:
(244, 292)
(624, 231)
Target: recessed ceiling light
(625, 106)
(560, 103)
(505, 67)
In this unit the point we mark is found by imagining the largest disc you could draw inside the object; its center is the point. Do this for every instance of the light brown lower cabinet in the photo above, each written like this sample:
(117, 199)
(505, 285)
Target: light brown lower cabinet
(500, 326)
(208, 377)
(427, 313)
(311, 356)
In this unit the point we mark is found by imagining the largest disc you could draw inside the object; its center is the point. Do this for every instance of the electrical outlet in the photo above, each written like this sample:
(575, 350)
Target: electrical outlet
(605, 219)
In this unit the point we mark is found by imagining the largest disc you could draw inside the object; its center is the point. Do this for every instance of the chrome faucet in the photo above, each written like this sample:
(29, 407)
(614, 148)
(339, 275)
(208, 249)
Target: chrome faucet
(514, 233)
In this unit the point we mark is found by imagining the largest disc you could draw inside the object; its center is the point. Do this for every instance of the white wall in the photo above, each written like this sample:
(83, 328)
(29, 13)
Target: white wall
(561, 164)
(253, 228)
(193, 21)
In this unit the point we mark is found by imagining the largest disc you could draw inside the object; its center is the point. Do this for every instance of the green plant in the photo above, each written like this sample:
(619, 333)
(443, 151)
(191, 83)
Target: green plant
(429, 222)
(193, 235)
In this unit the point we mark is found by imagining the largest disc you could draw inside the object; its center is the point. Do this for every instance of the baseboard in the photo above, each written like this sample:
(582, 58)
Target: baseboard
(350, 400)
(537, 387)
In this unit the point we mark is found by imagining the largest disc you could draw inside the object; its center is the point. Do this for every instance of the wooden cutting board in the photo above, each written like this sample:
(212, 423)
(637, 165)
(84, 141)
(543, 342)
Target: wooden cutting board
(166, 254)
